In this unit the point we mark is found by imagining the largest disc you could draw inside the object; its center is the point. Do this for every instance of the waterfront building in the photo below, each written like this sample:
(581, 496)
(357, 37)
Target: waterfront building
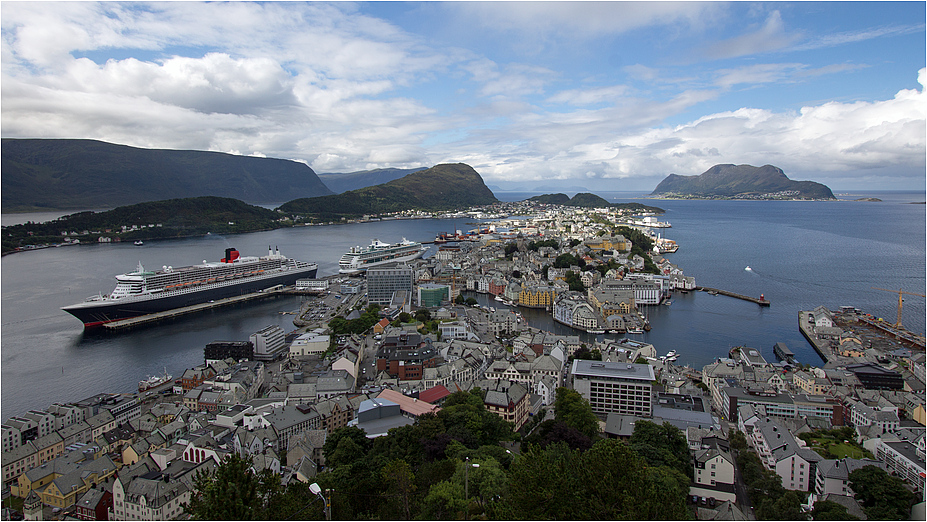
(614, 388)
(537, 296)
(269, 343)
(312, 285)
(503, 322)
(222, 350)
(384, 281)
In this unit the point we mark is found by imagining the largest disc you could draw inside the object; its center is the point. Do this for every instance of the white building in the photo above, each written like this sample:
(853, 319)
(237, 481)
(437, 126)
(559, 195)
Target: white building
(614, 387)
(268, 343)
(310, 343)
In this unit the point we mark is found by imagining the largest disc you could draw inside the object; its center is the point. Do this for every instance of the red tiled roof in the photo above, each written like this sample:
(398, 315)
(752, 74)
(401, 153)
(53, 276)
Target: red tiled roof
(434, 394)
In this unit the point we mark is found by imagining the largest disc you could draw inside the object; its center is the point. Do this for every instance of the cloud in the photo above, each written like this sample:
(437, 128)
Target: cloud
(771, 37)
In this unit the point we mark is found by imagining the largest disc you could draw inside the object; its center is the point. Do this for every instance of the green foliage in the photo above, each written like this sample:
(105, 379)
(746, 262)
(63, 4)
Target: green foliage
(607, 482)
(549, 243)
(882, 496)
(177, 217)
(575, 281)
(568, 260)
(445, 501)
(573, 410)
(738, 441)
(230, 492)
(786, 507)
(442, 187)
(830, 510)
(342, 326)
(399, 482)
(661, 445)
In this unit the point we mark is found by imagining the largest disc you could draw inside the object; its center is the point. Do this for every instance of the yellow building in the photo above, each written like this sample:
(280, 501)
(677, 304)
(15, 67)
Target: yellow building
(537, 296)
(609, 243)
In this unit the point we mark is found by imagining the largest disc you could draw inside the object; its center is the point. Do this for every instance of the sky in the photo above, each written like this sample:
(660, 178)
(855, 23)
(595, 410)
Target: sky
(600, 96)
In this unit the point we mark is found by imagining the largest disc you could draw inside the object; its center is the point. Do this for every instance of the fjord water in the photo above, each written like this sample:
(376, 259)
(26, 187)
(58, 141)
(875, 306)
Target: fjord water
(802, 255)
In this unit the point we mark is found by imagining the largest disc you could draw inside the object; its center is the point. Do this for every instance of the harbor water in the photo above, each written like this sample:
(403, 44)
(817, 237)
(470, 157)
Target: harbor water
(801, 255)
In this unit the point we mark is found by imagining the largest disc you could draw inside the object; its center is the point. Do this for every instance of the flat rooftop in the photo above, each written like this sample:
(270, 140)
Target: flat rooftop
(612, 370)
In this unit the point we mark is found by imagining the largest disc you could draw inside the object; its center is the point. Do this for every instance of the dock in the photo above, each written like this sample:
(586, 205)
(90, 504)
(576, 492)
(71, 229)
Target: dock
(177, 312)
(806, 327)
(762, 301)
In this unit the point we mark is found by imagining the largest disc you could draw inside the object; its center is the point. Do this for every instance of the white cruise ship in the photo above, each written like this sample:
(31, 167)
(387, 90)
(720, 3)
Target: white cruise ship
(359, 259)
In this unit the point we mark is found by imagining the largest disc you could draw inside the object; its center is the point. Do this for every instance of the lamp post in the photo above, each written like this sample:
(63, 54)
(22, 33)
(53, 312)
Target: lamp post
(314, 488)
(467, 488)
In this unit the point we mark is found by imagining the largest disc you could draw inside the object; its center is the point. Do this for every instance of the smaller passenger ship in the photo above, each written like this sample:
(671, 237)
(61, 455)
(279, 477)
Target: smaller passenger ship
(359, 259)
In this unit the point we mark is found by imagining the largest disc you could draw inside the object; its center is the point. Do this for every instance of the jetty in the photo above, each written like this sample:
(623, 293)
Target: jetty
(177, 312)
(762, 301)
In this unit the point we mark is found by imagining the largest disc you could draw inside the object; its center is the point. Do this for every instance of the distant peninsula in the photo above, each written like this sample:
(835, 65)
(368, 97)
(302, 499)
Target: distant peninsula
(588, 200)
(440, 188)
(65, 174)
(741, 182)
(171, 218)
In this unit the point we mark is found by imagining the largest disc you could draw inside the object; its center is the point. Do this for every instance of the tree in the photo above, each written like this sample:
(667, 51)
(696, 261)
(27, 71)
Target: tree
(573, 410)
(553, 431)
(230, 492)
(445, 500)
(830, 510)
(786, 507)
(400, 485)
(460, 299)
(661, 445)
(882, 496)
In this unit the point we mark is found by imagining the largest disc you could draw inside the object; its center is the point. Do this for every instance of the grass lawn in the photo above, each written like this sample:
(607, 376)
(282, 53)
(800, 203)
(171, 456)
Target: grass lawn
(830, 448)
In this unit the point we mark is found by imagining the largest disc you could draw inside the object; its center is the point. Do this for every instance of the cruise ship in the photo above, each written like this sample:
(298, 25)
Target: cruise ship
(359, 259)
(145, 292)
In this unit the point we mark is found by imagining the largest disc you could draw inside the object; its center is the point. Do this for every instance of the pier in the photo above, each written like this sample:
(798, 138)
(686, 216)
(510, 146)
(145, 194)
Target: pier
(805, 326)
(177, 312)
(762, 301)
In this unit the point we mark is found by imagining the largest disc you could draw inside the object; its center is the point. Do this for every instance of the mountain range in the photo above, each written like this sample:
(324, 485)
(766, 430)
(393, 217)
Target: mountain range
(63, 174)
(741, 181)
(442, 187)
(340, 182)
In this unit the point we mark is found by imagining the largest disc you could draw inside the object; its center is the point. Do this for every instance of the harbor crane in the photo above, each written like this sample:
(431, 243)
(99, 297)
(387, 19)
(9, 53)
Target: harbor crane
(900, 292)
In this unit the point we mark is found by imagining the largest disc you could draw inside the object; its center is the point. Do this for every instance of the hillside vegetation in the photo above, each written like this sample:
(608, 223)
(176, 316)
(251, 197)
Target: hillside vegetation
(442, 187)
(57, 174)
(152, 220)
(587, 200)
(742, 181)
(345, 181)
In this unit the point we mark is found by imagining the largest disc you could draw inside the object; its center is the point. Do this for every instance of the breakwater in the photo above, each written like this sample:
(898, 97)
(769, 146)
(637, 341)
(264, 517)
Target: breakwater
(762, 301)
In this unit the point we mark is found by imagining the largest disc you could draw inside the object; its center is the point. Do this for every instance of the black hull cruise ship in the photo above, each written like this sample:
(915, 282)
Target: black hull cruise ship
(145, 292)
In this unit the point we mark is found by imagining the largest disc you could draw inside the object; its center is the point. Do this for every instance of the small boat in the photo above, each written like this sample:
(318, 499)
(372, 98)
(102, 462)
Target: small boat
(667, 303)
(748, 269)
(139, 243)
(671, 354)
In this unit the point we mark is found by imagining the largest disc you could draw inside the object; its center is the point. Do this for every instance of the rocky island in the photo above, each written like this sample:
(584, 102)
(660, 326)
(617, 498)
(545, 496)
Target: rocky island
(741, 182)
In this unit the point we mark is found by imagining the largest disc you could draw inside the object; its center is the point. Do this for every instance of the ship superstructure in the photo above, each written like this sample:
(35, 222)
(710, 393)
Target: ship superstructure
(359, 259)
(144, 292)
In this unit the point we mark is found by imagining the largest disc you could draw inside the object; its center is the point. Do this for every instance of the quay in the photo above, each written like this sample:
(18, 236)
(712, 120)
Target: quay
(176, 312)
(805, 325)
(762, 301)
(900, 334)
